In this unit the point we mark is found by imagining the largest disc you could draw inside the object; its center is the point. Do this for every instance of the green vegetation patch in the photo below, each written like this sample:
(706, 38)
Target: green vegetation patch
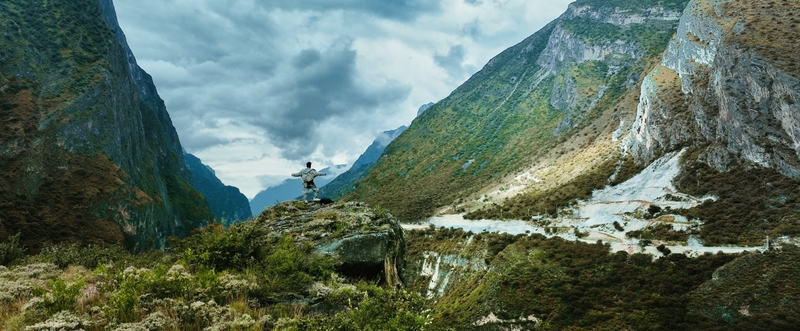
(752, 202)
(754, 292)
(635, 6)
(652, 36)
(220, 279)
(660, 231)
(574, 285)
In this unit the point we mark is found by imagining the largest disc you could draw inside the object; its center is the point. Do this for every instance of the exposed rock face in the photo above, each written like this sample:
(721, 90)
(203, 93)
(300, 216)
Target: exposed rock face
(227, 202)
(368, 242)
(741, 100)
(87, 149)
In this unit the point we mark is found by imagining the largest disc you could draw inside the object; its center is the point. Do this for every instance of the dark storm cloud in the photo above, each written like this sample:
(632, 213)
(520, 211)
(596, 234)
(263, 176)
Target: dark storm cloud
(305, 58)
(402, 10)
(220, 61)
(324, 86)
(204, 33)
(452, 61)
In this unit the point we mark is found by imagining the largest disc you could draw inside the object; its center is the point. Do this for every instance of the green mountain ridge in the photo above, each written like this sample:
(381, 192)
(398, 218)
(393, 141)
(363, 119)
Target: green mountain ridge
(553, 88)
(87, 149)
(597, 95)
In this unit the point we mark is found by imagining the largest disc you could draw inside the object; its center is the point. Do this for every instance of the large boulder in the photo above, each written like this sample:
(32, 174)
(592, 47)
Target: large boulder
(368, 241)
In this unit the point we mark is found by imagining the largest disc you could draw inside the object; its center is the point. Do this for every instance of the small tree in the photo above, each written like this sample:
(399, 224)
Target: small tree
(11, 250)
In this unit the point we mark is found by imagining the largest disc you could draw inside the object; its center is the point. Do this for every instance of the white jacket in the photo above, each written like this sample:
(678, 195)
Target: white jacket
(308, 175)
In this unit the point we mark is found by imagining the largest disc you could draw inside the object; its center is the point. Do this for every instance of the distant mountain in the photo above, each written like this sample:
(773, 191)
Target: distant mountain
(424, 107)
(227, 202)
(344, 183)
(88, 152)
(289, 189)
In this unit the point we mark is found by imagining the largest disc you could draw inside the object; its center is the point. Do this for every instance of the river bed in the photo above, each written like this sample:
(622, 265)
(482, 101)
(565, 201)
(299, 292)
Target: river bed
(617, 240)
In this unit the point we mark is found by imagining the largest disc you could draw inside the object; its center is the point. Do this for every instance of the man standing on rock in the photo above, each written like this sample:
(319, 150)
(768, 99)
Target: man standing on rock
(307, 175)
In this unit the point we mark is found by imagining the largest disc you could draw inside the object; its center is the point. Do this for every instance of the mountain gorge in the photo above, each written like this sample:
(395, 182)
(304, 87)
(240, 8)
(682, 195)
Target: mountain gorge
(87, 149)
(644, 155)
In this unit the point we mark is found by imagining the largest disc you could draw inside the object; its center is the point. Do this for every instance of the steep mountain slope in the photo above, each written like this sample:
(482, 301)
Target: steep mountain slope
(227, 202)
(87, 150)
(724, 91)
(616, 86)
(728, 87)
(345, 182)
(552, 102)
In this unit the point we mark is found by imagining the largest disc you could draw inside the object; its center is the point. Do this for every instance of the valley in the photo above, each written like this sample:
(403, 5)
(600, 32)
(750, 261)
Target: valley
(632, 165)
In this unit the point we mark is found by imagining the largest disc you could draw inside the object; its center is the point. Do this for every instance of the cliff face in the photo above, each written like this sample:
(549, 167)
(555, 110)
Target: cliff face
(227, 202)
(564, 82)
(727, 79)
(87, 149)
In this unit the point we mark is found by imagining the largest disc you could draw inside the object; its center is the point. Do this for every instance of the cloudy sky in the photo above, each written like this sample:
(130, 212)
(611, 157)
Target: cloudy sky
(255, 88)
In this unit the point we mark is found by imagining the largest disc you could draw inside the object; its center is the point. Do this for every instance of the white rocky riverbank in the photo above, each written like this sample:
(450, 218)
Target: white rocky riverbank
(610, 214)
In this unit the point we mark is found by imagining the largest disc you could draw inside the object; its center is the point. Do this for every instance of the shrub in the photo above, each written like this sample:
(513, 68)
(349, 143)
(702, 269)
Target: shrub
(653, 210)
(661, 231)
(663, 249)
(63, 296)
(123, 301)
(90, 256)
(11, 250)
(214, 247)
(61, 321)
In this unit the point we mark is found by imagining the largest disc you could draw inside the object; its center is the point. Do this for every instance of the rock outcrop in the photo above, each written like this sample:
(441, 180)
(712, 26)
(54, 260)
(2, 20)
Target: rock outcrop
(719, 85)
(368, 242)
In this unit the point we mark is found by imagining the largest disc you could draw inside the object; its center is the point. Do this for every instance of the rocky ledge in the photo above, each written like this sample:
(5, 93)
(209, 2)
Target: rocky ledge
(368, 241)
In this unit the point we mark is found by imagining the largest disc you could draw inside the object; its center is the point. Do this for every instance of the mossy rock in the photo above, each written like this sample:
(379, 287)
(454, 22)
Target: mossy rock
(368, 241)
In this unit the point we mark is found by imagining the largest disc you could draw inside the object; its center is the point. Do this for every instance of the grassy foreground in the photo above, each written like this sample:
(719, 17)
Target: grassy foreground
(217, 279)
(223, 279)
